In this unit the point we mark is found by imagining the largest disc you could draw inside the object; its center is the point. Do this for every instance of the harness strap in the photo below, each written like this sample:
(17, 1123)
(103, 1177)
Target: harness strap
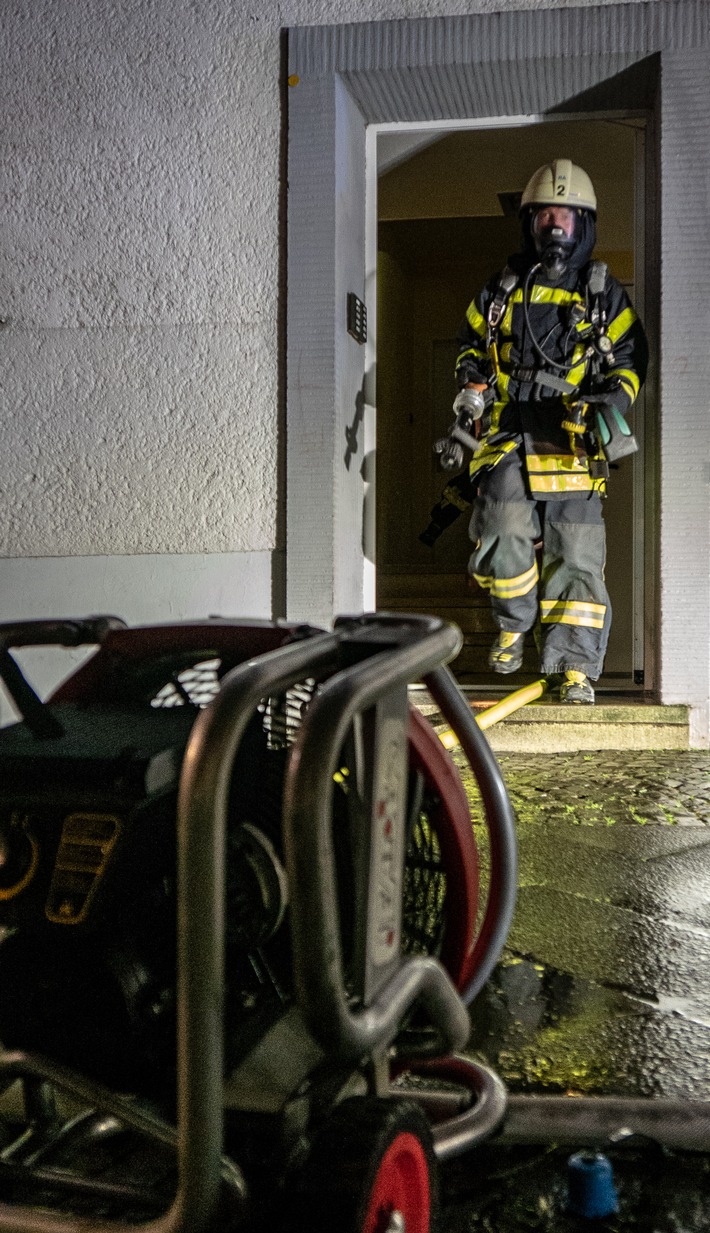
(597, 272)
(506, 285)
(538, 376)
(549, 381)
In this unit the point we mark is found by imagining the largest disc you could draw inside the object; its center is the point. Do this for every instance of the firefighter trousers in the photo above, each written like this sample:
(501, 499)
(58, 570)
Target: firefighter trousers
(565, 594)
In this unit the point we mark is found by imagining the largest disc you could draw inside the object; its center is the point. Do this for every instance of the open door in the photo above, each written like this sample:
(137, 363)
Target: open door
(447, 220)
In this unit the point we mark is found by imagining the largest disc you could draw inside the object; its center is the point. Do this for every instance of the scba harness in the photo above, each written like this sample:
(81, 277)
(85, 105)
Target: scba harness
(562, 436)
(588, 320)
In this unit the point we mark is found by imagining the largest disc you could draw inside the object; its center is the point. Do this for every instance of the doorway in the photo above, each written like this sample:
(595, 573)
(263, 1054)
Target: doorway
(447, 220)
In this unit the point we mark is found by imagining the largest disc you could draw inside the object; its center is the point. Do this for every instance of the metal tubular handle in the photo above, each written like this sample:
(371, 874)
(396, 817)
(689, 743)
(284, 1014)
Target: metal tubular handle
(202, 817)
(500, 820)
(475, 1125)
(202, 823)
(456, 1134)
(82, 631)
(318, 965)
(19, 1065)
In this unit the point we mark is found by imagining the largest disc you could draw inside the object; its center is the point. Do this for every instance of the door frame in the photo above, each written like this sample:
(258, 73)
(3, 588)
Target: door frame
(559, 60)
(645, 547)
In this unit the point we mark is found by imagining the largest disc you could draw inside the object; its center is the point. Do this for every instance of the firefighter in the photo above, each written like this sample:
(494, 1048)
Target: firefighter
(552, 355)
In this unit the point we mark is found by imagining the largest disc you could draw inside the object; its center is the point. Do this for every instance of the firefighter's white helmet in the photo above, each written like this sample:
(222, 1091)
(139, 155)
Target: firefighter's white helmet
(562, 183)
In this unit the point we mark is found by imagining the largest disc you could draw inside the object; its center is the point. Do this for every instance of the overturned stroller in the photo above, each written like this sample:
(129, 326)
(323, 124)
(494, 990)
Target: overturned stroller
(239, 900)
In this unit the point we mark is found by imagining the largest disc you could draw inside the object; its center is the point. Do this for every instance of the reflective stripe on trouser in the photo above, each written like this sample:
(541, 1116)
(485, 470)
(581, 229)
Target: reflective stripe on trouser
(575, 612)
(504, 527)
(574, 608)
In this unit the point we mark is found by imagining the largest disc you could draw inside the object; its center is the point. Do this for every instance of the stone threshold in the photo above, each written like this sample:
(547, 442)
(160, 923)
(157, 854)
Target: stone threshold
(546, 726)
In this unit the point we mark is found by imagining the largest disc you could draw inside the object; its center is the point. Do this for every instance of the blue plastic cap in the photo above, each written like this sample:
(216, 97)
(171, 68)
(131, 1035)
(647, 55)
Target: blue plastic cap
(591, 1192)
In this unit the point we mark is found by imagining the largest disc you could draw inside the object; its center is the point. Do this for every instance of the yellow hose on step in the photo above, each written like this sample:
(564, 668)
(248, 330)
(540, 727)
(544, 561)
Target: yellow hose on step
(499, 710)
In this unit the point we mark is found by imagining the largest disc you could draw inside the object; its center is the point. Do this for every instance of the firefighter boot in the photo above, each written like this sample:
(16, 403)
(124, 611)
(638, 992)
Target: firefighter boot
(576, 688)
(506, 654)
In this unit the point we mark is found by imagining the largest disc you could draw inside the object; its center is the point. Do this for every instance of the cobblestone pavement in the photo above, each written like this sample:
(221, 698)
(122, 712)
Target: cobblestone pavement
(588, 789)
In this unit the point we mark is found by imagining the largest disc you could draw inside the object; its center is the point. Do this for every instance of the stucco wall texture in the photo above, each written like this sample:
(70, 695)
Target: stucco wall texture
(139, 262)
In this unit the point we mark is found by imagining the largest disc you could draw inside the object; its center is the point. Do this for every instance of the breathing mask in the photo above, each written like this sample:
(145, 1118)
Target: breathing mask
(553, 229)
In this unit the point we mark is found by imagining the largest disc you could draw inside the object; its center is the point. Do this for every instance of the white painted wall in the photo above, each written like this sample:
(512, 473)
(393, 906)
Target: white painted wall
(140, 589)
(685, 401)
(139, 255)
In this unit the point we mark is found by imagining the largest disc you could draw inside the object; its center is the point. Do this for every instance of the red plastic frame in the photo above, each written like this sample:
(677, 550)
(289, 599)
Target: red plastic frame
(452, 820)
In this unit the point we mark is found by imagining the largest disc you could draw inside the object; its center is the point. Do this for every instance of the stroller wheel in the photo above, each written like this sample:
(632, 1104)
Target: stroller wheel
(371, 1170)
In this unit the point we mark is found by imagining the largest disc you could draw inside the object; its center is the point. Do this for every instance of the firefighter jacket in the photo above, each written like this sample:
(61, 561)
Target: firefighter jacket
(591, 343)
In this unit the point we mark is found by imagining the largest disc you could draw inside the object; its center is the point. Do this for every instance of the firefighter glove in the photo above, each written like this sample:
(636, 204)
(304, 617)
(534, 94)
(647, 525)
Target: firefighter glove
(613, 433)
(467, 371)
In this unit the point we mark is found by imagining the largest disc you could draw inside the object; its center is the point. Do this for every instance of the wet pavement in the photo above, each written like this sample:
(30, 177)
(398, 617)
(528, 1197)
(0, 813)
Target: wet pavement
(604, 987)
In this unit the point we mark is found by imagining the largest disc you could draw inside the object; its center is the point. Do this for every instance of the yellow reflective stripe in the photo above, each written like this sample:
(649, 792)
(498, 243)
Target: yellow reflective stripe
(538, 295)
(629, 378)
(556, 462)
(503, 385)
(490, 460)
(619, 326)
(547, 295)
(477, 352)
(578, 605)
(574, 376)
(506, 350)
(561, 483)
(553, 295)
(572, 612)
(453, 498)
(475, 319)
(489, 456)
(496, 413)
(510, 588)
(587, 622)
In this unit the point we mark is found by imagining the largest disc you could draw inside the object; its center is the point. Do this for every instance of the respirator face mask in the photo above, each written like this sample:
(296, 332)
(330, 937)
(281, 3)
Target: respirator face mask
(553, 229)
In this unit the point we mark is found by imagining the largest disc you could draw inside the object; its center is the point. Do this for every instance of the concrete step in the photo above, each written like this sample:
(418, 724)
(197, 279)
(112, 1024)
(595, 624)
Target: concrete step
(547, 727)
